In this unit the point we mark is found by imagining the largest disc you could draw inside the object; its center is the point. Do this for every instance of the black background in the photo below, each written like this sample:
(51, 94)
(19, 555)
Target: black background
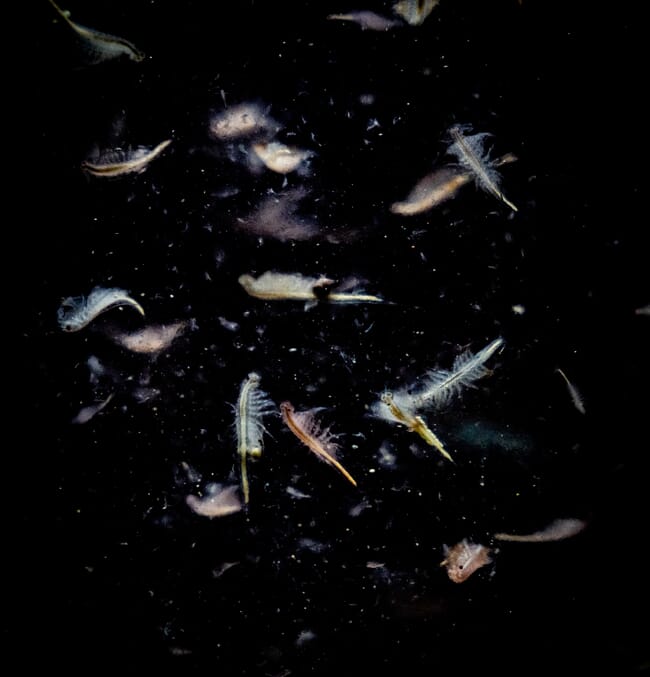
(114, 569)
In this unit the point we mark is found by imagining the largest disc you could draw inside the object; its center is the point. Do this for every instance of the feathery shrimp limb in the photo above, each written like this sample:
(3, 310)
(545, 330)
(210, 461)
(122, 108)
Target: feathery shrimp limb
(441, 385)
(576, 397)
(414, 12)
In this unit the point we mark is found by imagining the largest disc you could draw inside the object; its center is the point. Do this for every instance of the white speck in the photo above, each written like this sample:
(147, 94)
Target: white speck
(227, 324)
(295, 493)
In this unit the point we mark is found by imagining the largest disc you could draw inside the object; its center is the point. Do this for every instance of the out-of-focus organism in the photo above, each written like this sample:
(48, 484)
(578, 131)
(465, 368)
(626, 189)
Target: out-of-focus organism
(100, 46)
(276, 217)
(98, 370)
(272, 286)
(576, 395)
(305, 426)
(118, 161)
(431, 191)
(76, 312)
(488, 436)
(470, 153)
(86, 413)
(149, 340)
(557, 530)
(136, 384)
(464, 558)
(642, 310)
(280, 158)
(219, 571)
(414, 12)
(437, 187)
(219, 502)
(253, 404)
(400, 412)
(367, 20)
(243, 120)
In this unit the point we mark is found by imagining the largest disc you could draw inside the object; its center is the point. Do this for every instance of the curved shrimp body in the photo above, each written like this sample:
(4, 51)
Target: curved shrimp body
(77, 312)
(100, 46)
(119, 162)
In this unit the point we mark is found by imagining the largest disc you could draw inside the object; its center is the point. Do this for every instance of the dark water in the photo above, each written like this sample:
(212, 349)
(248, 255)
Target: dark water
(117, 569)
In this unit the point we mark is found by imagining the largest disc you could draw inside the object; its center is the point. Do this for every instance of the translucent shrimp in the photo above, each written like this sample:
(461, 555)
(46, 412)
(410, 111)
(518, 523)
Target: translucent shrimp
(100, 46)
(76, 312)
(306, 428)
(470, 154)
(119, 162)
(441, 385)
(401, 414)
(253, 404)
